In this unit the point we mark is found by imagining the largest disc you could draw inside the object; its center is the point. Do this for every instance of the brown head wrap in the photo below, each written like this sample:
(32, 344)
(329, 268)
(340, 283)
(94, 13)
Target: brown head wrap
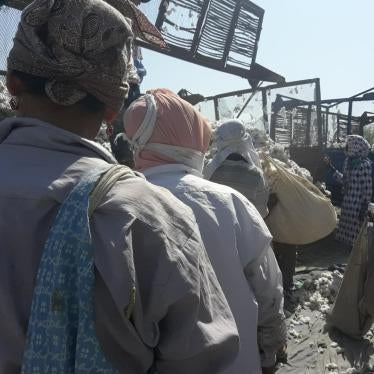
(80, 46)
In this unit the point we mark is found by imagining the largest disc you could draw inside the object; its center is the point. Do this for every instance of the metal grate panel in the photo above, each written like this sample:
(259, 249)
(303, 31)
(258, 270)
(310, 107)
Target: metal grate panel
(219, 34)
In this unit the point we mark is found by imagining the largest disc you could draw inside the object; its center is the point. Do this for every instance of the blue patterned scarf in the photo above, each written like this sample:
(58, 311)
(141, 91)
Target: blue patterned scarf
(61, 335)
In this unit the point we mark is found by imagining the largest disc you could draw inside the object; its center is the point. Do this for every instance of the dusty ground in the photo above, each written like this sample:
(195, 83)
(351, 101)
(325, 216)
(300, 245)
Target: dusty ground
(312, 346)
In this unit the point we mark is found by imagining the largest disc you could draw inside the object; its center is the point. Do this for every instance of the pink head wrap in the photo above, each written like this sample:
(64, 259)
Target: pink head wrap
(178, 125)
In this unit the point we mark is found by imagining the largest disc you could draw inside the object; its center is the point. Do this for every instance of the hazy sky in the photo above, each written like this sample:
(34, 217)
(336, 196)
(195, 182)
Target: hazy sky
(329, 39)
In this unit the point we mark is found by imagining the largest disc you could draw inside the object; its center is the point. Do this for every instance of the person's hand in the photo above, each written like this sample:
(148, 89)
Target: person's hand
(268, 370)
(282, 355)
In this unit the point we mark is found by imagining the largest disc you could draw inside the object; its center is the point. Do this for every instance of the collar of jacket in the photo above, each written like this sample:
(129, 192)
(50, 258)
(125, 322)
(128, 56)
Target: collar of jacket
(45, 135)
(171, 168)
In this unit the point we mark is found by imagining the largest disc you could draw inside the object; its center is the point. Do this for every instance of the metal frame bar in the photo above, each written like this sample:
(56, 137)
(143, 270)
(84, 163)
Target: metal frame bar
(349, 123)
(231, 33)
(258, 34)
(264, 111)
(327, 114)
(335, 102)
(269, 87)
(197, 36)
(216, 111)
(204, 61)
(323, 102)
(308, 126)
(164, 4)
(319, 114)
(249, 100)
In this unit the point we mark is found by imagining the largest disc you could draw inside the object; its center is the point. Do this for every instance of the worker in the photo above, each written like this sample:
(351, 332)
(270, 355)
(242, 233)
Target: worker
(128, 290)
(237, 164)
(357, 183)
(170, 138)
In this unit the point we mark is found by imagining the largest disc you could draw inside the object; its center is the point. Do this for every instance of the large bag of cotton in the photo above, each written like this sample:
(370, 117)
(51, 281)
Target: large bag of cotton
(302, 214)
(353, 310)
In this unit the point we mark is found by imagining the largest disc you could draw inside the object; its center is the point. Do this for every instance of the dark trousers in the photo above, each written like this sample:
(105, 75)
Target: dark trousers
(286, 257)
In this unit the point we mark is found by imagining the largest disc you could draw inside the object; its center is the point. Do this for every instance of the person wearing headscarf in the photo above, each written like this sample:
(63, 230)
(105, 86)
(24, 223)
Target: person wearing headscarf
(236, 163)
(152, 300)
(357, 182)
(170, 138)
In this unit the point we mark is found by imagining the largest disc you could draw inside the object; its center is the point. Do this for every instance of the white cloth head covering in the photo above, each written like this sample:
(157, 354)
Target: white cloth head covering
(231, 137)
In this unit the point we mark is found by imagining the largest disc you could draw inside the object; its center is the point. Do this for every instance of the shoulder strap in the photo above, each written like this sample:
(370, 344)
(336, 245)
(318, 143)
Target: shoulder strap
(105, 183)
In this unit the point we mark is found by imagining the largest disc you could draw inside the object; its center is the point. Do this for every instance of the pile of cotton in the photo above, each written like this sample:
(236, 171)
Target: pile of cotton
(259, 138)
(322, 187)
(278, 152)
(271, 173)
(5, 110)
(340, 145)
(315, 297)
(302, 172)
(266, 146)
(321, 292)
(351, 371)
(332, 367)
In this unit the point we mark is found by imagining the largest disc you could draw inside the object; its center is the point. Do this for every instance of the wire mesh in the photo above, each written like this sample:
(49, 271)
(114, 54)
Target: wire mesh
(207, 109)
(224, 31)
(288, 113)
(217, 28)
(248, 107)
(9, 19)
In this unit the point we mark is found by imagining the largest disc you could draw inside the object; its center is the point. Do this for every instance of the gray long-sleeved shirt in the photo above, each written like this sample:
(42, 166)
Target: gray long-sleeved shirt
(238, 244)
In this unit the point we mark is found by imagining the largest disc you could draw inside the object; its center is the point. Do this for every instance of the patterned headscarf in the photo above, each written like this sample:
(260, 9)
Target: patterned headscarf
(357, 146)
(79, 46)
(164, 129)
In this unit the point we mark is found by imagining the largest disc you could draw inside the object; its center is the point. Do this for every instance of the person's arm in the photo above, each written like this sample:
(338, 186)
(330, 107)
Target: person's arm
(337, 175)
(265, 278)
